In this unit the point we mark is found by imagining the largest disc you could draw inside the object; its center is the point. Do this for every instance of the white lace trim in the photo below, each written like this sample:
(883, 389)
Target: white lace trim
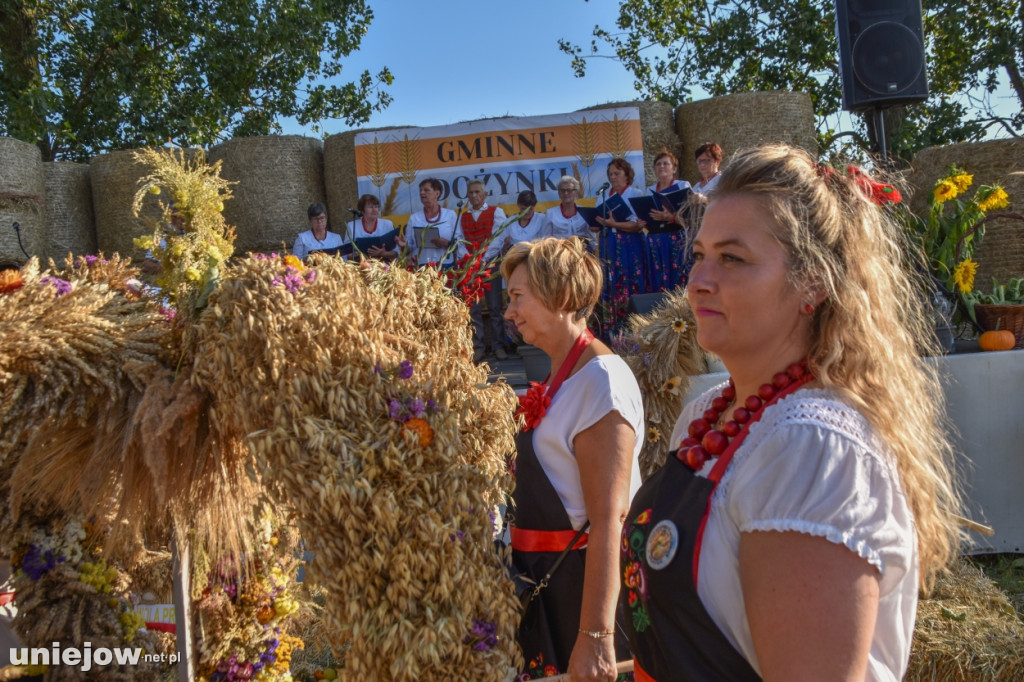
(815, 407)
(820, 530)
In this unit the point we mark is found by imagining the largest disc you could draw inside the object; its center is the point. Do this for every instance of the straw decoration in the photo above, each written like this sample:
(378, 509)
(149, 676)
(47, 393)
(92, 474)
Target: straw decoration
(661, 349)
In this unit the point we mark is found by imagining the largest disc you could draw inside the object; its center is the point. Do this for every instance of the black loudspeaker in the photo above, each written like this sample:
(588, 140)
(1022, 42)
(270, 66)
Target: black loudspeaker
(641, 304)
(881, 53)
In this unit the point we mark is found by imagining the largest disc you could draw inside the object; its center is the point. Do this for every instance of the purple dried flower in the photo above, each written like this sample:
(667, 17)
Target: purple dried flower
(395, 410)
(311, 276)
(431, 405)
(377, 369)
(37, 563)
(90, 260)
(168, 313)
(260, 256)
(62, 286)
(405, 369)
(293, 282)
(416, 407)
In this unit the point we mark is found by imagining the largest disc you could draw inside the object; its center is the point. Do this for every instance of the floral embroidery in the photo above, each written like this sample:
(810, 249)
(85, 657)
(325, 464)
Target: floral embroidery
(536, 669)
(634, 535)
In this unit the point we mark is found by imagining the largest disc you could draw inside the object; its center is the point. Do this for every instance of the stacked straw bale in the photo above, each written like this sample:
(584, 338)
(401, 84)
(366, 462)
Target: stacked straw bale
(1001, 252)
(745, 120)
(400, 520)
(22, 200)
(278, 177)
(657, 132)
(341, 179)
(70, 227)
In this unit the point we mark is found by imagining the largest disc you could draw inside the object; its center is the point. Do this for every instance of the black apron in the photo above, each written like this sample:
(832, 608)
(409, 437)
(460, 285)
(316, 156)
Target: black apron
(673, 637)
(670, 632)
(551, 623)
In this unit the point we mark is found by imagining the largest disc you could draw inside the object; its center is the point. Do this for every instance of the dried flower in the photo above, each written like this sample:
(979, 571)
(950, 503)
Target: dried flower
(422, 429)
(405, 369)
(294, 262)
(10, 280)
(62, 286)
(672, 385)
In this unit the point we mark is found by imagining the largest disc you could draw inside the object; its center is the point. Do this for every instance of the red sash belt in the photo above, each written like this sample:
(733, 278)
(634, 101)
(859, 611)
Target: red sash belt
(640, 675)
(545, 540)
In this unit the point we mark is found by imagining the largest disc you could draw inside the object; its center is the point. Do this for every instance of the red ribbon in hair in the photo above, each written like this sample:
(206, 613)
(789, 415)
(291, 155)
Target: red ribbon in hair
(878, 192)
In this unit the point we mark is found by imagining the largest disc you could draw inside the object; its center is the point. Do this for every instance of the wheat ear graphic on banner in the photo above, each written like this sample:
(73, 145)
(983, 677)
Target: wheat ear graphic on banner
(407, 163)
(375, 157)
(585, 137)
(617, 141)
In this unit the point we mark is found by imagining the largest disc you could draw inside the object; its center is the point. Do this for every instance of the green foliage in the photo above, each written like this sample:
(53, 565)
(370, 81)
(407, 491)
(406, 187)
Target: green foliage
(83, 76)
(1011, 293)
(673, 47)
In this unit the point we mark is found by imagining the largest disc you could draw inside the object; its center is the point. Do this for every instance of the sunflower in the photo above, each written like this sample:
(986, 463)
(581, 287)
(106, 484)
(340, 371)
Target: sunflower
(672, 385)
(679, 325)
(653, 435)
(993, 202)
(962, 181)
(945, 190)
(964, 274)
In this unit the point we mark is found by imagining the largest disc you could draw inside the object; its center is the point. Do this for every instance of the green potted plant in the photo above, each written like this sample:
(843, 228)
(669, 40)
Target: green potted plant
(1003, 309)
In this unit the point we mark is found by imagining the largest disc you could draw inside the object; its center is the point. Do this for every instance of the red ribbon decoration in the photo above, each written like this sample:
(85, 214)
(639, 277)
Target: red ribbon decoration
(534, 405)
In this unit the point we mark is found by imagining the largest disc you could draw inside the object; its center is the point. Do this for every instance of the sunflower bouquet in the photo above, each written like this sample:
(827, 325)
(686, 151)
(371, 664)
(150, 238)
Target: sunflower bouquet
(954, 227)
(952, 230)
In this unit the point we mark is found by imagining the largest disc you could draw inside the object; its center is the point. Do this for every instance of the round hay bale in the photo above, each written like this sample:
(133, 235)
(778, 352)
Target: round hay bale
(657, 132)
(22, 200)
(1001, 252)
(745, 120)
(340, 179)
(69, 217)
(278, 177)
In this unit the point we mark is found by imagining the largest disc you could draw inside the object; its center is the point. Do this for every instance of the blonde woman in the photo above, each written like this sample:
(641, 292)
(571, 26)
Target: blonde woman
(794, 550)
(577, 463)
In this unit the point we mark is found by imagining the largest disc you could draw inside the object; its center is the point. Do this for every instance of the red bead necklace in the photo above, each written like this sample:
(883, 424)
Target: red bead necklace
(705, 441)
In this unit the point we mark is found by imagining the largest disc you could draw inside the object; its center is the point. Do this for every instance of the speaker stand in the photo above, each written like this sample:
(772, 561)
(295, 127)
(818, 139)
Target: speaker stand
(880, 133)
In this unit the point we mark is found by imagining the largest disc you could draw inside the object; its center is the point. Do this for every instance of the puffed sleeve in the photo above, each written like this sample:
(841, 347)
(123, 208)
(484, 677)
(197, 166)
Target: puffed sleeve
(810, 478)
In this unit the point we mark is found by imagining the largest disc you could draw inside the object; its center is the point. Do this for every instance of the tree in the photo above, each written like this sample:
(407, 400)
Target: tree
(673, 47)
(83, 76)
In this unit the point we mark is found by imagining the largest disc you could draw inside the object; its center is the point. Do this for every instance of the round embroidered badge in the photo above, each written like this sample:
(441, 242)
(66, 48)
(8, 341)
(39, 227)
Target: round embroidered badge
(662, 544)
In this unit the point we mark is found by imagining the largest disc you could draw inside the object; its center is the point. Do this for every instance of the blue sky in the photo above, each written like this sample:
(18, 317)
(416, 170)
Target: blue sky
(461, 61)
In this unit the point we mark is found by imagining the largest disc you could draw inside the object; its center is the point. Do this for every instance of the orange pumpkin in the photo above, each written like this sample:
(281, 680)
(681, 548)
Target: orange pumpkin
(997, 340)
